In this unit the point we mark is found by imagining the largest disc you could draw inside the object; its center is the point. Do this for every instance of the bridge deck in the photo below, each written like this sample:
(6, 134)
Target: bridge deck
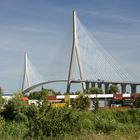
(79, 81)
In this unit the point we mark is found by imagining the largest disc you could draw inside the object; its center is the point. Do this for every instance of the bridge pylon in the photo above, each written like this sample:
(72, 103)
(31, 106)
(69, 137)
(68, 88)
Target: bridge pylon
(75, 51)
(25, 82)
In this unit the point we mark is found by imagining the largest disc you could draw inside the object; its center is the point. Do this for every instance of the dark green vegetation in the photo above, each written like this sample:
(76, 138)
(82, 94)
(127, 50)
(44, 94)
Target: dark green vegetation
(113, 89)
(19, 120)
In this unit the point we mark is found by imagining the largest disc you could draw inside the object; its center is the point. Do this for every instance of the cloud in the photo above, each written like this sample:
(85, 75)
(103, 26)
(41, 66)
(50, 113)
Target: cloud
(112, 16)
(32, 29)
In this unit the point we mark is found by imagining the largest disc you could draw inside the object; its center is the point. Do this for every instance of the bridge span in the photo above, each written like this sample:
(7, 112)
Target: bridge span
(90, 84)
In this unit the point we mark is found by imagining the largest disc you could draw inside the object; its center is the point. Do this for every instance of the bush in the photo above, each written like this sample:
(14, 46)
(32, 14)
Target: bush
(15, 109)
(44, 122)
(137, 102)
(53, 122)
(13, 130)
(82, 102)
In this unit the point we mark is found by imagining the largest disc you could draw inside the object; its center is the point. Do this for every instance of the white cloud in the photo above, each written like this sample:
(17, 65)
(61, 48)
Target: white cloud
(112, 16)
(32, 29)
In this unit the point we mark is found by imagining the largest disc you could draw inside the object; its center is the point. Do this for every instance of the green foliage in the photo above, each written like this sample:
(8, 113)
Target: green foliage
(32, 111)
(23, 121)
(15, 109)
(53, 122)
(73, 93)
(39, 95)
(77, 93)
(93, 90)
(44, 95)
(1, 91)
(137, 102)
(67, 100)
(95, 104)
(56, 123)
(2, 101)
(13, 130)
(2, 123)
(82, 102)
(35, 95)
(113, 89)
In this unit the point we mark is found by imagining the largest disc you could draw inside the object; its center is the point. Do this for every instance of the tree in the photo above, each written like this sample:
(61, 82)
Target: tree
(93, 90)
(96, 90)
(52, 123)
(40, 95)
(67, 100)
(35, 95)
(95, 102)
(15, 109)
(44, 97)
(113, 89)
(1, 98)
(1, 91)
(82, 102)
(137, 102)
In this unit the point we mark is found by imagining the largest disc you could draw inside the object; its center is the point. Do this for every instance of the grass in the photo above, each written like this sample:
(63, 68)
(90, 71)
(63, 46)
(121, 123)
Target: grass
(114, 135)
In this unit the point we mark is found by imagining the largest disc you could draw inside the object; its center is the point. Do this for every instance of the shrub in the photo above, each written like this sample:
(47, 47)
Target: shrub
(15, 109)
(53, 123)
(13, 130)
(82, 102)
(137, 102)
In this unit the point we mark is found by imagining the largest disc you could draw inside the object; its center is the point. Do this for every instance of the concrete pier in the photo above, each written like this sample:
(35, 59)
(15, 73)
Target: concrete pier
(133, 88)
(123, 88)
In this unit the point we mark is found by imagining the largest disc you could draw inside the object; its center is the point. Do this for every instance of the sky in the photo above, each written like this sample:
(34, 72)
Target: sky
(43, 28)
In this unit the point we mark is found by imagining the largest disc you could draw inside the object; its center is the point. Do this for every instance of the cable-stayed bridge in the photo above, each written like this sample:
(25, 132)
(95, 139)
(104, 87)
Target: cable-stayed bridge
(90, 64)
